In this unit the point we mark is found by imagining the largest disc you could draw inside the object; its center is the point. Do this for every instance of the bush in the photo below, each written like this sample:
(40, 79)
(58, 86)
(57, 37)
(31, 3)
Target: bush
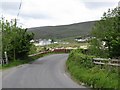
(107, 30)
(81, 59)
(15, 40)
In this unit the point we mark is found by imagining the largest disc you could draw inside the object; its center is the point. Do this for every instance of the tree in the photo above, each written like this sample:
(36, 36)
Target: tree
(107, 30)
(16, 41)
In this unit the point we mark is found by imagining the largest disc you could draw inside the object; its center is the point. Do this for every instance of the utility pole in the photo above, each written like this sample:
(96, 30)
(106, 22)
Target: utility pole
(119, 4)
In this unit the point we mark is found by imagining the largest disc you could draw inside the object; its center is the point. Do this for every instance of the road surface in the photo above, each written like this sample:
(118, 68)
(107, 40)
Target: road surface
(46, 72)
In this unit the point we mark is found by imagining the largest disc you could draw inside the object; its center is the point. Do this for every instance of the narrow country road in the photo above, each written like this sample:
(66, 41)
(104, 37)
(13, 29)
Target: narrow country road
(46, 72)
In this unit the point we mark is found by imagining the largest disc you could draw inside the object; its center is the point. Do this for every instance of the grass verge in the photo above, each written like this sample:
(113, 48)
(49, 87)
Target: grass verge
(81, 69)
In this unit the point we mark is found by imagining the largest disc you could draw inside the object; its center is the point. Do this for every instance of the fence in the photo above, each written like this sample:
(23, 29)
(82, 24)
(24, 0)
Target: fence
(55, 51)
(44, 52)
(5, 61)
(110, 62)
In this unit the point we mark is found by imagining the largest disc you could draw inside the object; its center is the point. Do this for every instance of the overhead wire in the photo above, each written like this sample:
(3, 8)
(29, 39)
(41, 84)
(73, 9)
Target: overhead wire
(19, 9)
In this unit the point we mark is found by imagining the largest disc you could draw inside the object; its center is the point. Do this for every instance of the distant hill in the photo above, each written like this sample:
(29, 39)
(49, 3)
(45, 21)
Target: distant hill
(63, 31)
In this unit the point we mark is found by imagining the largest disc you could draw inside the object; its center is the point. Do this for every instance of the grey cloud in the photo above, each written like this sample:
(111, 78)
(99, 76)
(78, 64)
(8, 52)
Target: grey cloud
(39, 15)
(13, 8)
(96, 5)
(10, 6)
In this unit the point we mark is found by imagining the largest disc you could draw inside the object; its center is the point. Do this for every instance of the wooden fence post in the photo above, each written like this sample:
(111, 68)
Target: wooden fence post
(6, 58)
(110, 66)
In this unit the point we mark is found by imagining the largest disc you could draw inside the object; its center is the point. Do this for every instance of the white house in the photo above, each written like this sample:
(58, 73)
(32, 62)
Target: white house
(32, 41)
(81, 40)
(42, 42)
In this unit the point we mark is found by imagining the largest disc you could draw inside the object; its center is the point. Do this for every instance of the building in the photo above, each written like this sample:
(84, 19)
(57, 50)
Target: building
(42, 42)
(82, 39)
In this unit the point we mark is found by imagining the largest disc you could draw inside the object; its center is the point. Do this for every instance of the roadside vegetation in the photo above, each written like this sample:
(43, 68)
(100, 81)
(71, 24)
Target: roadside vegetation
(105, 44)
(20, 62)
(106, 33)
(15, 44)
(84, 71)
(15, 41)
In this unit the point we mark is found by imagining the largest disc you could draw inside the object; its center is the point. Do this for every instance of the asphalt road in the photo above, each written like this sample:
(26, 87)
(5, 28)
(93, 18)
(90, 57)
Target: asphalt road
(46, 72)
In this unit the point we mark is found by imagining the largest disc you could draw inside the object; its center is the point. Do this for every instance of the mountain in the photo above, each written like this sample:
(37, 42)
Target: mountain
(62, 31)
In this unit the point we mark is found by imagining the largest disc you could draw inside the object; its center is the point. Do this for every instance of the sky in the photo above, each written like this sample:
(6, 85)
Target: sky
(35, 13)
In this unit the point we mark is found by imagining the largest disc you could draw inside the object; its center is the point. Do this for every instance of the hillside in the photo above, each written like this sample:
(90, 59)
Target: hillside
(63, 31)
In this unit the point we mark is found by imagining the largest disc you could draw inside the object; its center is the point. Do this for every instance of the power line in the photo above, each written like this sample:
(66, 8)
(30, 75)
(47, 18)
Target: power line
(22, 24)
(119, 4)
(19, 9)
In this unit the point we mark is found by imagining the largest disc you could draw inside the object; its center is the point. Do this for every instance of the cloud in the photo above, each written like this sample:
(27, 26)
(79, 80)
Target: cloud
(35, 13)
(11, 8)
(96, 5)
(10, 5)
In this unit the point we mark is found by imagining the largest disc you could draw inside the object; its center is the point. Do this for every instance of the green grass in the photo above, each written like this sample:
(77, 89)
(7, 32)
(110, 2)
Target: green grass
(20, 62)
(0, 66)
(74, 45)
(82, 70)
